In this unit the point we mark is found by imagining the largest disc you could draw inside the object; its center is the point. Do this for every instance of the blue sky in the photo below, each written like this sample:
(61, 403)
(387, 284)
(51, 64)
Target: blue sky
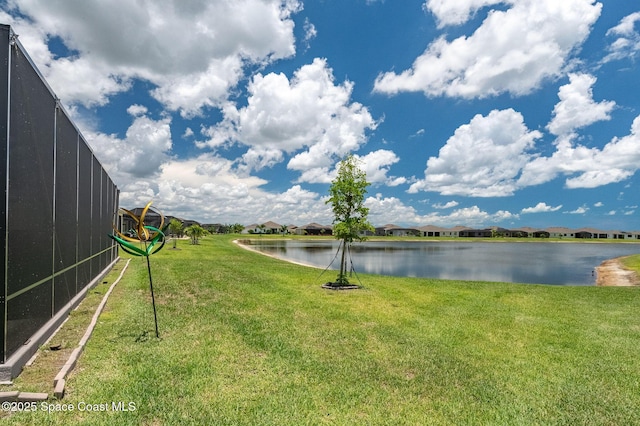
(467, 112)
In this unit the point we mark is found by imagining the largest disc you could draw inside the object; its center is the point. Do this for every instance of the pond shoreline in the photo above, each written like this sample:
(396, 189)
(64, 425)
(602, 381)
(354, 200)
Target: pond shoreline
(242, 243)
(612, 273)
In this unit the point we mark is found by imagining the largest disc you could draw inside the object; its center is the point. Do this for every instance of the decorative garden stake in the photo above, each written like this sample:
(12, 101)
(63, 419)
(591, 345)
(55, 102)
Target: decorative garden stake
(151, 237)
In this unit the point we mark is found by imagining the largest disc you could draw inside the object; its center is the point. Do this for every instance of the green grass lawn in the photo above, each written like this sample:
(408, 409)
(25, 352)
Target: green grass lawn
(246, 339)
(632, 262)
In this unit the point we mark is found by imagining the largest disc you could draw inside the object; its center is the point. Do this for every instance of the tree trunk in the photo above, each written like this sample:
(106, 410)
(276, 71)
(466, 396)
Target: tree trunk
(342, 278)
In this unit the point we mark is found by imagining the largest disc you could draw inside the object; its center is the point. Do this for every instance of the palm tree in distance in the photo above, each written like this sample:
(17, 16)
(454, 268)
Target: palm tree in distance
(195, 232)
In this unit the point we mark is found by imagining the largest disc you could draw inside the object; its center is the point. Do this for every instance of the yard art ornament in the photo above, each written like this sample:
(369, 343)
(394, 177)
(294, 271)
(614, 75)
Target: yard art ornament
(150, 237)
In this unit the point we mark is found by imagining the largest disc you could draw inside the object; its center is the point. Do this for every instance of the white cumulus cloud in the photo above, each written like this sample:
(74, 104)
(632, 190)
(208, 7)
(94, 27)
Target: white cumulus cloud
(513, 50)
(144, 149)
(541, 208)
(483, 158)
(579, 210)
(193, 52)
(587, 167)
(457, 12)
(448, 205)
(627, 38)
(577, 108)
(308, 113)
(377, 165)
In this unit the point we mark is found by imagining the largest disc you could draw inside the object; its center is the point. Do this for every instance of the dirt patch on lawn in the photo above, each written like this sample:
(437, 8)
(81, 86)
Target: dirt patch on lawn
(612, 273)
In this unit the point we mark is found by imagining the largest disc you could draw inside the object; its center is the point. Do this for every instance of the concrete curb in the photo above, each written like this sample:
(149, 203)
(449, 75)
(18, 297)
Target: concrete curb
(60, 379)
(16, 396)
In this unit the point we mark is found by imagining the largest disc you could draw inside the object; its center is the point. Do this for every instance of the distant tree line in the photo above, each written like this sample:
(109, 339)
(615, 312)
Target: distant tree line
(177, 228)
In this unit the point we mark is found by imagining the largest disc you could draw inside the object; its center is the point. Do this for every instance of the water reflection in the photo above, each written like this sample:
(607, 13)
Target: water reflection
(543, 263)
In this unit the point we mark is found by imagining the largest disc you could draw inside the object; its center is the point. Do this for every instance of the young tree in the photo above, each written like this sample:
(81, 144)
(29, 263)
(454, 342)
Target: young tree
(347, 193)
(175, 227)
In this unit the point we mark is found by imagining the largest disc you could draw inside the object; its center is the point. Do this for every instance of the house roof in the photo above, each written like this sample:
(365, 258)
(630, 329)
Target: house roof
(591, 230)
(432, 228)
(398, 228)
(526, 229)
(388, 226)
(459, 228)
(314, 225)
(559, 229)
(138, 211)
(272, 225)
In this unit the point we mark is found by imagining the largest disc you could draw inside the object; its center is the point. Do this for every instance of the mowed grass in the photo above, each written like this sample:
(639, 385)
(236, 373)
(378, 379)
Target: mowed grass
(632, 262)
(251, 340)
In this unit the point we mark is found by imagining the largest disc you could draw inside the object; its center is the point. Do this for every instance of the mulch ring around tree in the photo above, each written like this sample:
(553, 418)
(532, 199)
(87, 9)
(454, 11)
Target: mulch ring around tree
(336, 286)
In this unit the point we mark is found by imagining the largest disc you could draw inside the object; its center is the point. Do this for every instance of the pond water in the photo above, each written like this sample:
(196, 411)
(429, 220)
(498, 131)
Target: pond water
(530, 262)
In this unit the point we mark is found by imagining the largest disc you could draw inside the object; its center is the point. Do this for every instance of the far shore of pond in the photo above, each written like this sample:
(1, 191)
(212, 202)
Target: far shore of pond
(610, 273)
(413, 239)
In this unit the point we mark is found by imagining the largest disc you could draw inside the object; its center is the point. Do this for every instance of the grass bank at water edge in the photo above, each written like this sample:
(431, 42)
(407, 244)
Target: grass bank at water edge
(247, 339)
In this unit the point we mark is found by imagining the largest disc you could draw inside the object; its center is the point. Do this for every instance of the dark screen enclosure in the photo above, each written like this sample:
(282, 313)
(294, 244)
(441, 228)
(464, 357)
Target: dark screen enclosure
(58, 208)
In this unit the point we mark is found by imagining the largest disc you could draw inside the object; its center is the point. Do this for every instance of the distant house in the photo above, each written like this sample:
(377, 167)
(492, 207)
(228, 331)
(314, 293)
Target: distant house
(187, 223)
(262, 228)
(251, 229)
(595, 233)
(151, 218)
(215, 228)
(560, 232)
(314, 229)
(454, 232)
(618, 235)
(633, 235)
(583, 234)
(381, 231)
(497, 231)
(167, 221)
(592, 233)
(540, 234)
(615, 235)
(476, 233)
(397, 231)
(272, 227)
(291, 229)
(366, 233)
(525, 231)
(432, 231)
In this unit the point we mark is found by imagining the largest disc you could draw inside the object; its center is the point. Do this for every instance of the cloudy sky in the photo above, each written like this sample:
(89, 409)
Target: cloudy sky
(462, 112)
